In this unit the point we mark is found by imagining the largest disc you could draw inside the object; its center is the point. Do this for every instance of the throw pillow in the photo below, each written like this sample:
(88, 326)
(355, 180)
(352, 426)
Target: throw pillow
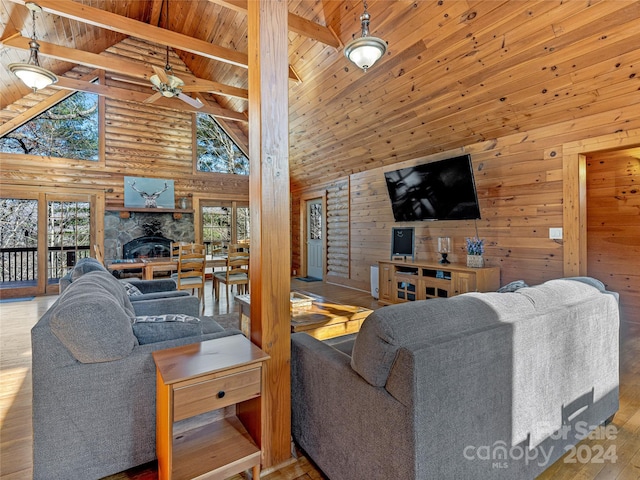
(131, 289)
(160, 328)
(86, 265)
(513, 286)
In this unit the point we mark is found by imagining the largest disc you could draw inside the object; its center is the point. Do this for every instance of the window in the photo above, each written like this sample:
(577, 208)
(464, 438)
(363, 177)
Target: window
(66, 130)
(19, 240)
(225, 222)
(215, 150)
(216, 224)
(242, 224)
(68, 235)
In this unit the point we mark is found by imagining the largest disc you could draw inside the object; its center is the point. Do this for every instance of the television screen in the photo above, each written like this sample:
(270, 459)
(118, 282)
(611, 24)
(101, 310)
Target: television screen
(441, 190)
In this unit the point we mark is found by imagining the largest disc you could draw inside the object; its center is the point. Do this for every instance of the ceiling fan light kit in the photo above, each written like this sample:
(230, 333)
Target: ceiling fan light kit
(166, 84)
(365, 50)
(31, 73)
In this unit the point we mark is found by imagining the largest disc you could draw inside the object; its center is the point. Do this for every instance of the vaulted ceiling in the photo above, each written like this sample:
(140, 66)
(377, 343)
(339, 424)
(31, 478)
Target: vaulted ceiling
(456, 71)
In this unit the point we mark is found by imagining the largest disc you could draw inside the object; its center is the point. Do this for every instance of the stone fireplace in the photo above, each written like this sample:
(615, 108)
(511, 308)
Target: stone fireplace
(160, 228)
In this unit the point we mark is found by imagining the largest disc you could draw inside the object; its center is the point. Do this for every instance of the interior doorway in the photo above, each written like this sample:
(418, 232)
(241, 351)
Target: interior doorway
(613, 224)
(315, 238)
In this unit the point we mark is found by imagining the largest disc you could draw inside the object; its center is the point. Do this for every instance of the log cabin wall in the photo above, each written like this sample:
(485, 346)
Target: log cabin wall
(520, 188)
(613, 224)
(139, 140)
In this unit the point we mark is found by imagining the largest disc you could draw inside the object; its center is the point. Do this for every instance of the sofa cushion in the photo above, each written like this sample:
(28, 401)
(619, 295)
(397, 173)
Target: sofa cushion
(554, 293)
(159, 328)
(86, 265)
(94, 328)
(104, 282)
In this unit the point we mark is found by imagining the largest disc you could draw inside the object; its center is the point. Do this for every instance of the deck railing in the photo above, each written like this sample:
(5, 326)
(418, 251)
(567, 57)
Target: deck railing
(20, 264)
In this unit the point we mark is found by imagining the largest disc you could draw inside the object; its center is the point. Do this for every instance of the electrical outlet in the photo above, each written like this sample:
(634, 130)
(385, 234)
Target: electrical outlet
(555, 233)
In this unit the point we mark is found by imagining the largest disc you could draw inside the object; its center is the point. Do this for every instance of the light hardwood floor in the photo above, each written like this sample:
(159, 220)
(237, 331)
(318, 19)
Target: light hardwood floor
(17, 318)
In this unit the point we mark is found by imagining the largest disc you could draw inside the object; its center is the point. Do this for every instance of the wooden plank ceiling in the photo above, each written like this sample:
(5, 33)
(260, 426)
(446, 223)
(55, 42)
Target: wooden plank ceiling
(456, 72)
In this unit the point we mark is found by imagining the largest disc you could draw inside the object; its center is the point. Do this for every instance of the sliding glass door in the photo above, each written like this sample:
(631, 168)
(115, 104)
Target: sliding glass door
(42, 236)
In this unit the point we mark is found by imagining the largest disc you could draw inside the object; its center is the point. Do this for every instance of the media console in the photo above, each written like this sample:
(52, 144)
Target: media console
(402, 281)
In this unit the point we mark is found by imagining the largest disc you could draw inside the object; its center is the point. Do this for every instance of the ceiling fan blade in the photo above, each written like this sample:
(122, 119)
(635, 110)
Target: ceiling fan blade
(153, 98)
(191, 101)
(161, 73)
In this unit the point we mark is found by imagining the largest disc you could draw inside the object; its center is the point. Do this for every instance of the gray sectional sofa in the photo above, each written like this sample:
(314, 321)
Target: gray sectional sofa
(478, 386)
(144, 289)
(94, 379)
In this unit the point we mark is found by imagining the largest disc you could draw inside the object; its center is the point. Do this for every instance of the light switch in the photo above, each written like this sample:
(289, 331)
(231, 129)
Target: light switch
(555, 233)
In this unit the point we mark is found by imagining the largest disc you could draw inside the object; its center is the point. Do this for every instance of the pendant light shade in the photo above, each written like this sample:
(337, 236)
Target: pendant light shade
(31, 73)
(365, 50)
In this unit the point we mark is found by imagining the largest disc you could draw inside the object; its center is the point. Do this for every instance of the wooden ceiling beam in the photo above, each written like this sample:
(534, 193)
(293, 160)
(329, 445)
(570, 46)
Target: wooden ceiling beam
(118, 23)
(297, 24)
(140, 97)
(124, 67)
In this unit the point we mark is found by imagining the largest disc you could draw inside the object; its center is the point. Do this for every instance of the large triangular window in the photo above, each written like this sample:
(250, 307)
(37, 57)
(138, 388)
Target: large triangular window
(216, 151)
(69, 129)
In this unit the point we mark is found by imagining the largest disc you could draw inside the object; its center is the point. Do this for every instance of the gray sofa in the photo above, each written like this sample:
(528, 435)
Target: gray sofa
(138, 289)
(478, 386)
(94, 379)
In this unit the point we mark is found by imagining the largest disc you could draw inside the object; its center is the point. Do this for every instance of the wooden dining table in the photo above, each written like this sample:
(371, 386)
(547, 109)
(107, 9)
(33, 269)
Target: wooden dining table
(159, 264)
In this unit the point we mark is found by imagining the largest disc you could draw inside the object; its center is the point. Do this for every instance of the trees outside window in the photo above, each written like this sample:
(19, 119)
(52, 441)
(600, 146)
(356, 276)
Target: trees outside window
(69, 129)
(18, 240)
(216, 224)
(226, 222)
(216, 151)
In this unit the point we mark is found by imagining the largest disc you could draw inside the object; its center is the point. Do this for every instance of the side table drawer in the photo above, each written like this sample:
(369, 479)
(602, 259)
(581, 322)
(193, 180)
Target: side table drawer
(197, 398)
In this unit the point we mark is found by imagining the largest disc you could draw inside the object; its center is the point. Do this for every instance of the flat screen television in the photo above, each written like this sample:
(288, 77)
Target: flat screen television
(441, 190)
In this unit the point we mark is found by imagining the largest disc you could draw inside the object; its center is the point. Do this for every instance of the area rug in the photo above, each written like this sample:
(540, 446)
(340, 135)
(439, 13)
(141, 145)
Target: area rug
(11, 300)
(309, 279)
(228, 320)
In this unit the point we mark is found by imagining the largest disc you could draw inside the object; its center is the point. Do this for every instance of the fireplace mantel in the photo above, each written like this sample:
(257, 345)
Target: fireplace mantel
(125, 212)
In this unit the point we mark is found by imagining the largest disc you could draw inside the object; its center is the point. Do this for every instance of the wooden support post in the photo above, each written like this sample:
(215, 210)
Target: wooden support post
(270, 224)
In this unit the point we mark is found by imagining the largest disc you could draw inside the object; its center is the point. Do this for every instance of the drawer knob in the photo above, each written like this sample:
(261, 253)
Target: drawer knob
(221, 394)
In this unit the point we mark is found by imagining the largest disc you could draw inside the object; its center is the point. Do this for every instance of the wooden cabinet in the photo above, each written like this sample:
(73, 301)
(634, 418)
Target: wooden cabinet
(384, 282)
(410, 281)
(202, 377)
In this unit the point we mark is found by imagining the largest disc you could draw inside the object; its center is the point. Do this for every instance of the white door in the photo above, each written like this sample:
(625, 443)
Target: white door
(315, 235)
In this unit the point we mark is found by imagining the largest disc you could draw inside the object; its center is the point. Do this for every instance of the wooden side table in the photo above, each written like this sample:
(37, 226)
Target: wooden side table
(199, 378)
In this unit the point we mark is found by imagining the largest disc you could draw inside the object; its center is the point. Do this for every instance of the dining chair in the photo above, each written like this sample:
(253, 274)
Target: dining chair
(191, 269)
(98, 253)
(238, 247)
(237, 273)
(176, 247)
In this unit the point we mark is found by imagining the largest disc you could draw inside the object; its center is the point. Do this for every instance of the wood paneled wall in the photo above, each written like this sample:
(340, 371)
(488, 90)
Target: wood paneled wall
(520, 188)
(140, 140)
(613, 224)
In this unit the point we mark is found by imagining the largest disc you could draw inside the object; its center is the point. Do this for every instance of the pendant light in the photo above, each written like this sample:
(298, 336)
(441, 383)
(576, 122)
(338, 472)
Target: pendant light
(365, 50)
(31, 73)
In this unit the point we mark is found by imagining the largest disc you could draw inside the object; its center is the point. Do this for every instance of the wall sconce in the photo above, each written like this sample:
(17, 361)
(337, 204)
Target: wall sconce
(444, 248)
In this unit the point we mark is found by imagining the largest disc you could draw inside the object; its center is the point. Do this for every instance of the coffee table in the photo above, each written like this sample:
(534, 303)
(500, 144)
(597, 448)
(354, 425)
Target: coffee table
(321, 319)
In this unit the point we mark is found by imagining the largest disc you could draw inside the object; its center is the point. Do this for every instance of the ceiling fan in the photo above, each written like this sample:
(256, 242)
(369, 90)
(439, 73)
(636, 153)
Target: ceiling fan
(168, 85)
